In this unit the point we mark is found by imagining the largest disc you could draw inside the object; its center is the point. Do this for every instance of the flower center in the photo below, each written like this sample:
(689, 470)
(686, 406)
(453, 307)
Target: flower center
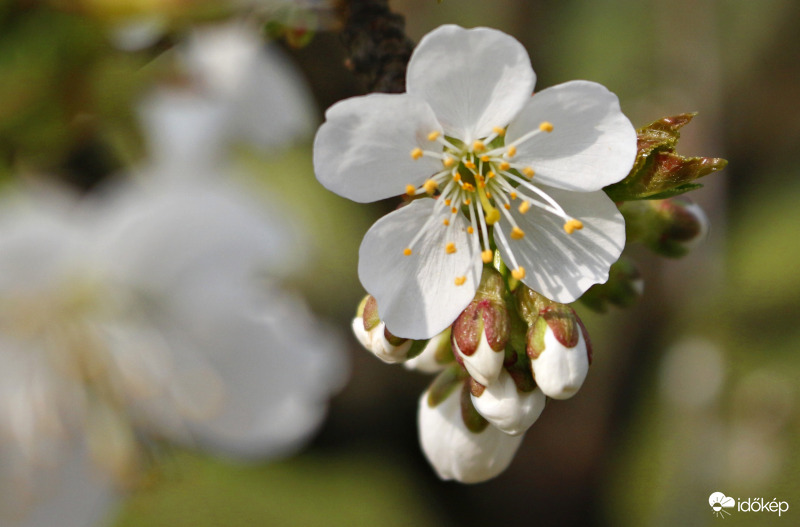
(482, 181)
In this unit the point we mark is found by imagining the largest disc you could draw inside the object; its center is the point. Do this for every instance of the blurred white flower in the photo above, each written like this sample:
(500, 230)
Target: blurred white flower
(153, 309)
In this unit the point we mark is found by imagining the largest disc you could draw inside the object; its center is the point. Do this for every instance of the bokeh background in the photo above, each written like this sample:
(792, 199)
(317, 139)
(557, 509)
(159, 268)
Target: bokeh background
(693, 390)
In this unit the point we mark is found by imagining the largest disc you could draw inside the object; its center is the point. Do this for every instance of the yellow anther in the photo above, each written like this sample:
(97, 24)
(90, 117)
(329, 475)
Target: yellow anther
(407, 251)
(490, 174)
(460, 280)
(485, 158)
(456, 177)
(507, 206)
(546, 127)
(513, 195)
(478, 146)
(528, 172)
(486, 256)
(512, 151)
(433, 136)
(517, 233)
(499, 131)
(410, 190)
(448, 162)
(524, 207)
(454, 210)
(488, 194)
(430, 186)
(446, 222)
(470, 165)
(467, 201)
(450, 248)
(416, 153)
(447, 202)
(572, 226)
(470, 230)
(469, 187)
(479, 178)
(518, 273)
(505, 165)
(492, 217)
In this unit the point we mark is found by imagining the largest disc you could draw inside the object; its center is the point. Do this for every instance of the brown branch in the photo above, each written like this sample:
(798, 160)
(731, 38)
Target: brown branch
(377, 46)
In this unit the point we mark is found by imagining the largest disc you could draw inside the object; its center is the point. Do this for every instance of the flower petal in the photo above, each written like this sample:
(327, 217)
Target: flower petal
(508, 409)
(592, 143)
(474, 79)
(457, 453)
(485, 364)
(363, 149)
(560, 371)
(416, 294)
(563, 266)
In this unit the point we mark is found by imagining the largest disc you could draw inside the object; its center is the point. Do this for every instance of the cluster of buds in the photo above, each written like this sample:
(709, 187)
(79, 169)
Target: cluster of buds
(497, 364)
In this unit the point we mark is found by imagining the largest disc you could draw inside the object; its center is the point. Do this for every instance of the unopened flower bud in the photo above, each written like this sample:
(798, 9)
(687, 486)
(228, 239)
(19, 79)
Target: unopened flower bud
(506, 407)
(669, 227)
(624, 286)
(560, 351)
(371, 332)
(686, 225)
(458, 443)
(435, 356)
(481, 331)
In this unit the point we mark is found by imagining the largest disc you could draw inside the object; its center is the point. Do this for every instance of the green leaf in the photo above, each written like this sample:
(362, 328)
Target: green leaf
(658, 171)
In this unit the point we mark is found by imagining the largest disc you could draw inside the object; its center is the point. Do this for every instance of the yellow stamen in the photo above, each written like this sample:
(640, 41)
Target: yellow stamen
(446, 222)
(486, 256)
(478, 146)
(485, 158)
(513, 195)
(447, 202)
(467, 201)
(517, 233)
(572, 226)
(407, 251)
(469, 187)
(528, 172)
(499, 131)
(546, 127)
(490, 174)
(448, 162)
(488, 194)
(470, 165)
(430, 186)
(433, 136)
(416, 153)
(450, 248)
(524, 207)
(518, 273)
(470, 230)
(454, 210)
(456, 177)
(492, 215)
(512, 151)
(410, 189)
(460, 280)
(505, 165)
(507, 206)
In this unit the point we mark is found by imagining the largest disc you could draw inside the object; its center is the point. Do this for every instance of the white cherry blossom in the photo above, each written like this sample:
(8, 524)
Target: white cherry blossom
(493, 166)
